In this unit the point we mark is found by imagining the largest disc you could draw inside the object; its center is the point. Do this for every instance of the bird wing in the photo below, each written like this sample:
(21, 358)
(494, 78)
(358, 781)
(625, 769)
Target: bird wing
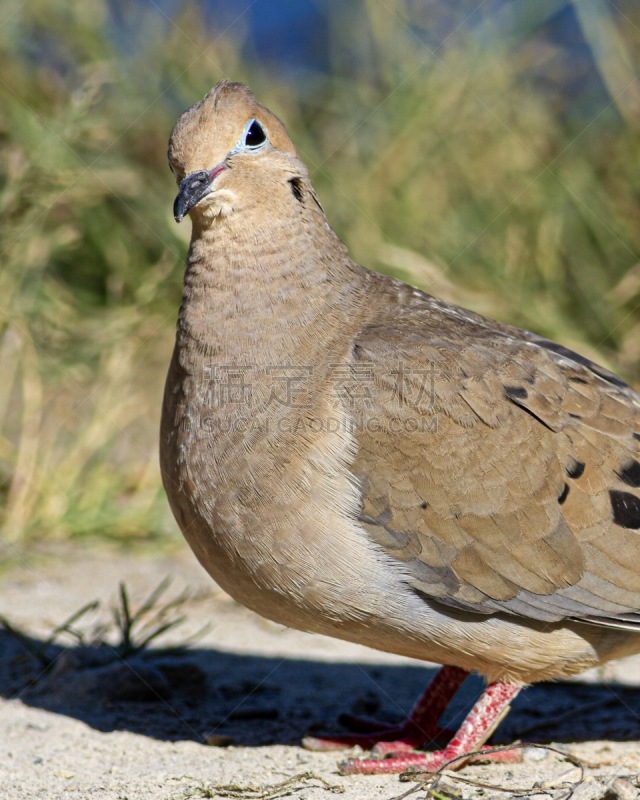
(501, 469)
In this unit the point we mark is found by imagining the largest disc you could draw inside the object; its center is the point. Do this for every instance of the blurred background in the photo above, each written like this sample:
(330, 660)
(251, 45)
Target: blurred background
(488, 152)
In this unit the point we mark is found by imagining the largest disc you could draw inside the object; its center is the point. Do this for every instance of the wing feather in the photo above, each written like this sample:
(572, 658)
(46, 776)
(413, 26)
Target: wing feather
(501, 469)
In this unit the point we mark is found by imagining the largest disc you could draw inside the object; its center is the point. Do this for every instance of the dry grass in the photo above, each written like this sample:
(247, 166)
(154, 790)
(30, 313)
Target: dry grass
(125, 631)
(452, 169)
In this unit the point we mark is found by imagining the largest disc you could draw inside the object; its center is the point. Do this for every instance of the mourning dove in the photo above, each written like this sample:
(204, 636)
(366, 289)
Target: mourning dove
(348, 455)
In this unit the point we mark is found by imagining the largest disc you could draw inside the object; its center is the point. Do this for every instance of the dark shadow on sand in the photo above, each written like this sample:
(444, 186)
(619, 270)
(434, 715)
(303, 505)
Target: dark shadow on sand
(204, 694)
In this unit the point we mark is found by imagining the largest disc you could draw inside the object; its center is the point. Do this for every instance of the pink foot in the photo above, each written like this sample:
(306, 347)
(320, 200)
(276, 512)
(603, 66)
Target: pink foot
(478, 726)
(420, 727)
(423, 762)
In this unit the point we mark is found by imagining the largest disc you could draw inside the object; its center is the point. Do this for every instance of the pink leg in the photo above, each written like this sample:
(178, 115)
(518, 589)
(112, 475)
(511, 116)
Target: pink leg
(478, 726)
(420, 727)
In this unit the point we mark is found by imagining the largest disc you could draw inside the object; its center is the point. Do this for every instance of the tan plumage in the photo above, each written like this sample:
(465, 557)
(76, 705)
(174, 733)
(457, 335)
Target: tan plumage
(348, 455)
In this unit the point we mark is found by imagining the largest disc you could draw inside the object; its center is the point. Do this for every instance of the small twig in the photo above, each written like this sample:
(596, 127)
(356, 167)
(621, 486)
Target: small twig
(149, 630)
(65, 627)
(176, 649)
(155, 595)
(124, 620)
(167, 626)
(267, 792)
(40, 651)
(431, 780)
(133, 635)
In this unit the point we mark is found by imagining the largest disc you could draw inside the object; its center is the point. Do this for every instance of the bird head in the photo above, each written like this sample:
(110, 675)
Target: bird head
(230, 153)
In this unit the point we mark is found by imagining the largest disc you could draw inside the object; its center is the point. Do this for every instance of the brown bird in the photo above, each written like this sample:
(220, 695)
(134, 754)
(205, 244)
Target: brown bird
(348, 455)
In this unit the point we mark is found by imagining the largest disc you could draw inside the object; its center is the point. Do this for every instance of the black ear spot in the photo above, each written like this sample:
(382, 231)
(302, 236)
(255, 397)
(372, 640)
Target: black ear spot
(296, 188)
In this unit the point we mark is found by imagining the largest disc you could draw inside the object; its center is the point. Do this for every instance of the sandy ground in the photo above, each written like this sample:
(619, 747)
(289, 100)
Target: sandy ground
(77, 720)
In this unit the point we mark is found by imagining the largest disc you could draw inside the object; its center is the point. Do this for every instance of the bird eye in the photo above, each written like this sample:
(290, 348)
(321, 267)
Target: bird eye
(255, 135)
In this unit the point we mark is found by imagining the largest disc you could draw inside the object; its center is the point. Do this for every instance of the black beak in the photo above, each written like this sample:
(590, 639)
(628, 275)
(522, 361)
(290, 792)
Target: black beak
(192, 189)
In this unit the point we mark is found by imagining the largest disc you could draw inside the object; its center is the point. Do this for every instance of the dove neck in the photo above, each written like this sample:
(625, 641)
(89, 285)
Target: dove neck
(269, 294)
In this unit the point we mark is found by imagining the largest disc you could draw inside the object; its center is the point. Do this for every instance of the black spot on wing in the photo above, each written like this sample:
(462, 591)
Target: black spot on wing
(626, 509)
(516, 392)
(575, 470)
(630, 473)
(563, 494)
